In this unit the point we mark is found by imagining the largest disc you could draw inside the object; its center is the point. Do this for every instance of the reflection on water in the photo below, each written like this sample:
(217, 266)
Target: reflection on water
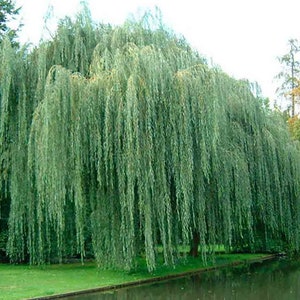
(276, 280)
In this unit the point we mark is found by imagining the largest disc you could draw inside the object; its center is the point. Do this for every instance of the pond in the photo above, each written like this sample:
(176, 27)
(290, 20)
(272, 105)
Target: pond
(274, 280)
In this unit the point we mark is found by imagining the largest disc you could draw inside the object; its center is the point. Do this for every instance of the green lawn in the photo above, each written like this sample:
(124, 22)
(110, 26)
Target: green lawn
(22, 281)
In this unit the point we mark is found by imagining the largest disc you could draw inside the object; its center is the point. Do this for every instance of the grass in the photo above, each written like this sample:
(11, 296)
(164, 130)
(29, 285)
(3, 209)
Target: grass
(23, 281)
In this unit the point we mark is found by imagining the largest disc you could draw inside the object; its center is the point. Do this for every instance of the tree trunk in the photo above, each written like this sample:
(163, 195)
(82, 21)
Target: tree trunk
(195, 244)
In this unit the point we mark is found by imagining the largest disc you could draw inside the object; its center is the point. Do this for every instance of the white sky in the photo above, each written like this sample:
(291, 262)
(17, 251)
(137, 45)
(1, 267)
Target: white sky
(244, 37)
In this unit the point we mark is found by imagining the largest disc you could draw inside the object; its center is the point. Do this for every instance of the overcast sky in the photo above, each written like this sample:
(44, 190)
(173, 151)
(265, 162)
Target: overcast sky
(244, 37)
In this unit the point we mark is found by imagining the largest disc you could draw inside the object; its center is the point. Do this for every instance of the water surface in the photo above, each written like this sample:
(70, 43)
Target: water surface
(274, 280)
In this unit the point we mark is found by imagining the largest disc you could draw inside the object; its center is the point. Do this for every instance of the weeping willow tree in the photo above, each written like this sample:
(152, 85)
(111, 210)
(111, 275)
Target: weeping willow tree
(117, 140)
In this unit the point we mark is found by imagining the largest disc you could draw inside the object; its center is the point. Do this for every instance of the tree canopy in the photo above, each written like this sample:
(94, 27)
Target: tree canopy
(120, 139)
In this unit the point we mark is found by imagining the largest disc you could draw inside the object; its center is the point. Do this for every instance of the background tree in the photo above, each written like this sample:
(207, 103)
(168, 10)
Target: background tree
(8, 12)
(290, 74)
(294, 127)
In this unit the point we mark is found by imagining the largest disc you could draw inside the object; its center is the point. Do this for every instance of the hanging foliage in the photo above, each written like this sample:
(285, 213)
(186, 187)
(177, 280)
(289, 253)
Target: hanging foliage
(118, 140)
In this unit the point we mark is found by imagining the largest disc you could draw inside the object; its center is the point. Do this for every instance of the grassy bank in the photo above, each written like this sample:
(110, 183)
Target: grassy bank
(22, 281)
